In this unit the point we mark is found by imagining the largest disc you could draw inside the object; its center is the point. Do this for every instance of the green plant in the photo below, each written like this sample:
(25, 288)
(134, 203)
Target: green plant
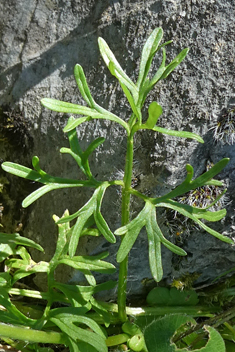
(77, 324)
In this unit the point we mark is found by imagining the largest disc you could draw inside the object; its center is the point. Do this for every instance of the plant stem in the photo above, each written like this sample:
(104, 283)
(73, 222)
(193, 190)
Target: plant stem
(30, 335)
(122, 282)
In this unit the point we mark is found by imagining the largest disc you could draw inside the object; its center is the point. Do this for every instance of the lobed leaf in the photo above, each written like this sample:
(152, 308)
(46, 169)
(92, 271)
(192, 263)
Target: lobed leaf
(192, 213)
(188, 185)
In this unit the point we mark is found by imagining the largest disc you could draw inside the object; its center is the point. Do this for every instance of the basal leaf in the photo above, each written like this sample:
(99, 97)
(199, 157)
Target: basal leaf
(66, 318)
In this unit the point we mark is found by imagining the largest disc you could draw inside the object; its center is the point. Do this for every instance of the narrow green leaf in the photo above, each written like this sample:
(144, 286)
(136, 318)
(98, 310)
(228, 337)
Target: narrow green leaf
(73, 139)
(15, 238)
(131, 232)
(72, 124)
(155, 259)
(100, 221)
(94, 144)
(82, 85)
(83, 215)
(74, 155)
(174, 63)
(131, 101)
(148, 52)
(66, 318)
(115, 67)
(45, 189)
(183, 134)
(88, 263)
(21, 171)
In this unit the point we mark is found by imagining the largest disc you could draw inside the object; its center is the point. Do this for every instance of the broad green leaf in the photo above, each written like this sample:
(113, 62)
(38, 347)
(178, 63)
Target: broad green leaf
(84, 263)
(163, 296)
(155, 111)
(160, 332)
(15, 238)
(115, 68)
(174, 63)
(149, 50)
(82, 85)
(189, 185)
(183, 134)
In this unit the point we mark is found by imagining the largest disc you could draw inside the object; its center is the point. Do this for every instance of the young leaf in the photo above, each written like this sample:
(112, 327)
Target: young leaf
(114, 66)
(149, 50)
(174, 63)
(82, 85)
(155, 111)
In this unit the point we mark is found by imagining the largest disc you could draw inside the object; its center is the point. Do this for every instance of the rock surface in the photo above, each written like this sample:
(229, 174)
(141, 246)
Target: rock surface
(42, 40)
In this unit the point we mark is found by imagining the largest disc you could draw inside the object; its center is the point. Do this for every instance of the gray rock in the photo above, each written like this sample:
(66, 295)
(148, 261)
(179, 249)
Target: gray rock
(41, 41)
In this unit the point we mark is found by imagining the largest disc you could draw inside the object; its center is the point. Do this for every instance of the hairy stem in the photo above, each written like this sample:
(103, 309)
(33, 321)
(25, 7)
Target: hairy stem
(125, 219)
